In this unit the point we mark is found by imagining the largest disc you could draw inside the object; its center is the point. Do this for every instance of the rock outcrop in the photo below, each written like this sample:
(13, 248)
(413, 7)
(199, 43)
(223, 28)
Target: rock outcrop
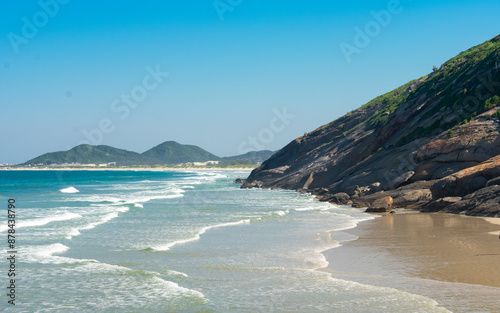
(432, 144)
(381, 205)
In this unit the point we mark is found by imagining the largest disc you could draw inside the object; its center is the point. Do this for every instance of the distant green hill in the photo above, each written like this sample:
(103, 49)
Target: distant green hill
(87, 154)
(171, 152)
(167, 153)
(252, 157)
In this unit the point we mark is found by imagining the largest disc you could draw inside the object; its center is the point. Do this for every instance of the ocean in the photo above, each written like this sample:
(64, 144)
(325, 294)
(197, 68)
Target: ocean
(156, 241)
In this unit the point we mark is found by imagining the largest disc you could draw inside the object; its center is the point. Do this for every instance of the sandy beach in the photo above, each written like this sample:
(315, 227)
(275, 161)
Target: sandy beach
(453, 259)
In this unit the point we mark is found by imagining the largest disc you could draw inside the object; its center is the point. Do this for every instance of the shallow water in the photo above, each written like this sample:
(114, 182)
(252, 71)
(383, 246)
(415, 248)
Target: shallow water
(127, 241)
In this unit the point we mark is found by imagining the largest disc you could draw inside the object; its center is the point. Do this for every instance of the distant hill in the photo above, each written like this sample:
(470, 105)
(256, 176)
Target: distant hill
(171, 152)
(87, 154)
(167, 153)
(252, 157)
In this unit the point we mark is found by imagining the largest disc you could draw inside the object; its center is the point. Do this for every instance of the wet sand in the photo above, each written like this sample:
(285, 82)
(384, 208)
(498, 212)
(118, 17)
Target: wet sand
(450, 258)
(438, 246)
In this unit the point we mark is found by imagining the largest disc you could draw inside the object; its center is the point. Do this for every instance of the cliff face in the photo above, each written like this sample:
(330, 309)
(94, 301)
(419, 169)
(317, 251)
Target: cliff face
(413, 144)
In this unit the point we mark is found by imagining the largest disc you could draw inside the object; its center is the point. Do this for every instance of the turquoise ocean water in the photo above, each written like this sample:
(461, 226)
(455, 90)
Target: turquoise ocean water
(138, 241)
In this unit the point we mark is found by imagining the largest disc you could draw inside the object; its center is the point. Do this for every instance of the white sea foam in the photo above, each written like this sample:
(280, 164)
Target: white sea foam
(104, 219)
(69, 190)
(202, 178)
(353, 223)
(311, 208)
(155, 285)
(110, 205)
(72, 233)
(45, 254)
(176, 273)
(43, 221)
(197, 236)
(173, 289)
(98, 198)
(140, 196)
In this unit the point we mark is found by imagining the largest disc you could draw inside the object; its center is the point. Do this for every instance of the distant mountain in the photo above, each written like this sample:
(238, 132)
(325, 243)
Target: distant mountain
(87, 154)
(171, 152)
(252, 157)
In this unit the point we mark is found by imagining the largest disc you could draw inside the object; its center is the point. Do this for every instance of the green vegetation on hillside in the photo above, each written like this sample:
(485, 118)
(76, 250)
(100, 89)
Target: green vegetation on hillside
(459, 87)
(250, 158)
(87, 154)
(451, 95)
(171, 152)
(168, 153)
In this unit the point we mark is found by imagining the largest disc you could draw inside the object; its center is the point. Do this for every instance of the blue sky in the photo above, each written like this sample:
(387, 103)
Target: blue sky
(65, 67)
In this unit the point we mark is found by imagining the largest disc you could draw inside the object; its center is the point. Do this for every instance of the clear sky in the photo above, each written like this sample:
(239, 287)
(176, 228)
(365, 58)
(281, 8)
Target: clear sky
(241, 73)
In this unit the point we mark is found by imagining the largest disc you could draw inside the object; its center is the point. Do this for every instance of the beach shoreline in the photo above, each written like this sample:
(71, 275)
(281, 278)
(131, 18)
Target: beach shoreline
(439, 246)
(450, 258)
(494, 221)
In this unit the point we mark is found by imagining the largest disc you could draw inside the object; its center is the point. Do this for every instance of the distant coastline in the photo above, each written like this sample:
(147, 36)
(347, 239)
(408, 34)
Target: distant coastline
(128, 168)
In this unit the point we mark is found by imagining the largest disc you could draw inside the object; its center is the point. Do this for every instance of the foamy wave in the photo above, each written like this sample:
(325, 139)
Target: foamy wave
(104, 219)
(140, 196)
(45, 255)
(156, 286)
(146, 198)
(217, 175)
(69, 190)
(99, 198)
(203, 177)
(317, 206)
(197, 237)
(354, 223)
(313, 208)
(72, 233)
(110, 206)
(176, 273)
(175, 289)
(43, 221)
(281, 213)
(149, 284)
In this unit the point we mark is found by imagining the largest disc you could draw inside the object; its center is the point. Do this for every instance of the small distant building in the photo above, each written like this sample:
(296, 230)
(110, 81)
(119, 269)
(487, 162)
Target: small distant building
(205, 163)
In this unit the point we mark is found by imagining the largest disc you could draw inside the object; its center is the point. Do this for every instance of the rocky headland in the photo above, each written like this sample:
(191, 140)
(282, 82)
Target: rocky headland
(432, 144)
